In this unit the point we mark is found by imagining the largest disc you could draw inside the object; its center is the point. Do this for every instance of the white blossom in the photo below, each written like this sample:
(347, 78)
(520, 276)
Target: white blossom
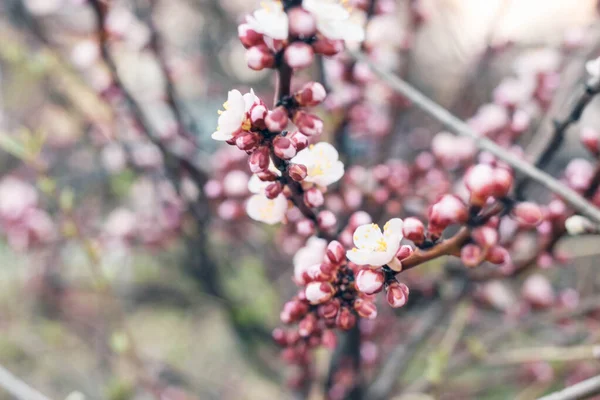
(321, 161)
(333, 20)
(375, 248)
(311, 254)
(577, 225)
(235, 116)
(270, 20)
(261, 208)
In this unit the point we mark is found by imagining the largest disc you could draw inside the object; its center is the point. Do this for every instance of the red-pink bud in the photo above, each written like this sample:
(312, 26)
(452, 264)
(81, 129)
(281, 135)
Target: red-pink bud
(326, 220)
(413, 229)
(273, 190)
(528, 214)
(330, 309)
(345, 319)
(298, 172)
(259, 160)
(299, 140)
(365, 308)
(308, 124)
(538, 291)
(267, 176)
(403, 252)
(305, 227)
(503, 181)
(471, 255)
(448, 210)
(258, 113)
(485, 236)
(301, 23)
(299, 55)
(480, 182)
(283, 148)
(293, 310)
(336, 252)
(498, 255)
(279, 336)
(247, 141)
(328, 47)
(329, 339)
(319, 292)
(248, 36)
(307, 326)
(313, 197)
(311, 94)
(259, 57)
(277, 119)
(370, 281)
(591, 139)
(396, 294)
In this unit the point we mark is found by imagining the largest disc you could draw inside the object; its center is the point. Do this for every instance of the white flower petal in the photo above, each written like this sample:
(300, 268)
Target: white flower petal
(266, 210)
(368, 237)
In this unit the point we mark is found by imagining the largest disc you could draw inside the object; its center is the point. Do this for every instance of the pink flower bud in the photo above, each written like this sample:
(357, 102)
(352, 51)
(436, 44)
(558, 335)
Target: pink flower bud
(403, 252)
(277, 120)
(480, 182)
(247, 141)
(503, 181)
(213, 189)
(370, 281)
(313, 197)
(413, 229)
(311, 94)
(485, 236)
(299, 55)
(279, 336)
(365, 308)
(258, 113)
(308, 124)
(267, 176)
(302, 23)
(283, 148)
(326, 220)
(328, 47)
(471, 255)
(345, 319)
(248, 36)
(336, 252)
(305, 227)
(259, 160)
(319, 292)
(396, 294)
(448, 210)
(330, 309)
(359, 218)
(297, 172)
(591, 139)
(299, 140)
(498, 255)
(259, 57)
(528, 214)
(273, 190)
(293, 310)
(538, 291)
(307, 326)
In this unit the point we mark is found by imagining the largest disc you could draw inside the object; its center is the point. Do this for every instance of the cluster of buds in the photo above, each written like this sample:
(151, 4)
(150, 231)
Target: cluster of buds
(295, 33)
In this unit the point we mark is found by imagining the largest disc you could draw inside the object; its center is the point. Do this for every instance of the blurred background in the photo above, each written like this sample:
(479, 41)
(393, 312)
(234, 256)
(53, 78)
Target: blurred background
(126, 273)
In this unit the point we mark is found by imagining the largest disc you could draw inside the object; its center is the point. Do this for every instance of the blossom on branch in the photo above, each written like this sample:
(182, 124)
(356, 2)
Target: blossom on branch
(322, 163)
(375, 248)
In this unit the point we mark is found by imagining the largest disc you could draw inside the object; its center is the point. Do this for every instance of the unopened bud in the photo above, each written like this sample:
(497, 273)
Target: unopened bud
(247, 141)
(273, 190)
(448, 210)
(259, 160)
(301, 23)
(259, 57)
(258, 113)
(299, 55)
(370, 281)
(471, 255)
(485, 236)
(528, 214)
(319, 292)
(277, 119)
(308, 124)
(480, 182)
(299, 140)
(297, 172)
(330, 309)
(326, 220)
(336, 252)
(538, 291)
(307, 326)
(311, 94)
(403, 252)
(328, 47)
(248, 36)
(345, 319)
(413, 229)
(396, 294)
(313, 197)
(365, 308)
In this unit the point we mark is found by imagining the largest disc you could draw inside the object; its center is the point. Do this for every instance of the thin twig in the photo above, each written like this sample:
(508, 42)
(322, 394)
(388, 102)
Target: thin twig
(580, 204)
(17, 388)
(581, 390)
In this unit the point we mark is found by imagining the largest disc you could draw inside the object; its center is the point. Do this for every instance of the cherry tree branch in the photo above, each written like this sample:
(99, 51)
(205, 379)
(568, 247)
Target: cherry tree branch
(581, 390)
(580, 204)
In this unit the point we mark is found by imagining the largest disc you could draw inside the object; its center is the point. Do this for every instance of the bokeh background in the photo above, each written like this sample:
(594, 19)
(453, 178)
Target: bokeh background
(112, 286)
